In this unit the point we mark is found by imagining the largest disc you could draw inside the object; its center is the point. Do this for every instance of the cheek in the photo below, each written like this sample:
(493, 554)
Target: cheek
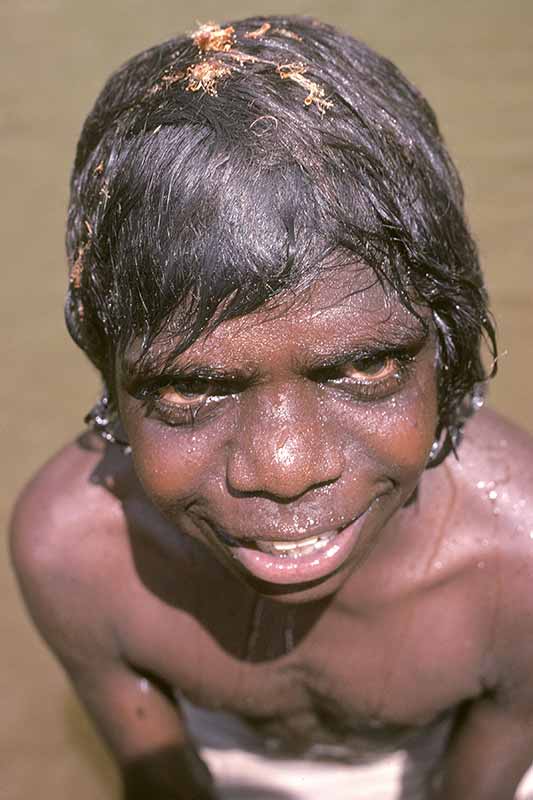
(402, 431)
(171, 464)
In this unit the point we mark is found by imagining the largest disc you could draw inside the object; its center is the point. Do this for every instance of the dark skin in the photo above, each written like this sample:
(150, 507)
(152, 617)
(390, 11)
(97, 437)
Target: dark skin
(308, 418)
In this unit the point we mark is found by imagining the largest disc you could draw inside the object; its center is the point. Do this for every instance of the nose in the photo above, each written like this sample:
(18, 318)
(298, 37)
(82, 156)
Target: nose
(283, 447)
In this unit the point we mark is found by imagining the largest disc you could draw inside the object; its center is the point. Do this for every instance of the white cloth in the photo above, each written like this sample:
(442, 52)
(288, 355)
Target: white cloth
(244, 769)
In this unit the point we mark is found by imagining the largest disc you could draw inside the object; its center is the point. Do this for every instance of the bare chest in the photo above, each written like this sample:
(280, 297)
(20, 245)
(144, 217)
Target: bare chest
(331, 689)
(326, 676)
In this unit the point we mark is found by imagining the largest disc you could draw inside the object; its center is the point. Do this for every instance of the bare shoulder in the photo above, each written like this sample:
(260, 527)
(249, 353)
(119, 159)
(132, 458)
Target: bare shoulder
(485, 495)
(65, 534)
(496, 469)
(66, 501)
(490, 437)
(495, 474)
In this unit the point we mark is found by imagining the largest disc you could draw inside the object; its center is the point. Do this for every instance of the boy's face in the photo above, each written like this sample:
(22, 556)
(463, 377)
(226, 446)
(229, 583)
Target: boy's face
(314, 419)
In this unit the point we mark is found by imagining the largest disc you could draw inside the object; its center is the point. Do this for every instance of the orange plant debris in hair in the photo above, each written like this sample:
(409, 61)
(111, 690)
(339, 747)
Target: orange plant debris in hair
(173, 77)
(265, 27)
(77, 268)
(212, 38)
(76, 271)
(296, 72)
(244, 58)
(288, 34)
(206, 75)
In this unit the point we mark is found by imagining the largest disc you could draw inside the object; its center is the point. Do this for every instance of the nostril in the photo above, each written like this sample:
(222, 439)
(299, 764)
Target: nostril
(286, 470)
(280, 499)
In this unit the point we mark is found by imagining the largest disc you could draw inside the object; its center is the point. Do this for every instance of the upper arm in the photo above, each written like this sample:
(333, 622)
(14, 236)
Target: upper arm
(492, 744)
(58, 547)
(64, 553)
(490, 749)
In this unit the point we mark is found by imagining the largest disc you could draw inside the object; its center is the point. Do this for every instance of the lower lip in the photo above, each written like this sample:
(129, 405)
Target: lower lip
(285, 570)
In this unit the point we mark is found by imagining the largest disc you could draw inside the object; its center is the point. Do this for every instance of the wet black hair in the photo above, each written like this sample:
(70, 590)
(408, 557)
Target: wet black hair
(219, 171)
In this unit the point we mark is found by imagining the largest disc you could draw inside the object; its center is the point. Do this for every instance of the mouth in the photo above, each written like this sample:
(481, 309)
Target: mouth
(296, 561)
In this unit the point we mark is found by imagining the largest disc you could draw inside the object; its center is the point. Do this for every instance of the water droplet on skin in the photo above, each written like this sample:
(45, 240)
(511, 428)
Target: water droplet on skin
(531, 534)
(438, 564)
(144, 685)
(481, 484)
(481, 564)
(493, 495)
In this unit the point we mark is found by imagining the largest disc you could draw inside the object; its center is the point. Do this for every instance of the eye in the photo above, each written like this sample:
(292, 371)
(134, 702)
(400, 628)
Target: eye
(184, 400)
(186, 392)
(373, 368)
(373, 376)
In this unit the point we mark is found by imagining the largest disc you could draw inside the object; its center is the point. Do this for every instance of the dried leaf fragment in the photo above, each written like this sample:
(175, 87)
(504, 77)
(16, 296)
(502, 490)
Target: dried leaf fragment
(315, 94)
(206, 75)
(212, 38)
(77, 268)
(292, 69)
(288, 34)
(173, 77)
(265, 27)
(244, 58)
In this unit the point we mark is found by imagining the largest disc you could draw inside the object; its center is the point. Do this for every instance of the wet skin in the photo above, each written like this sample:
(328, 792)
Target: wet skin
(307, 419)
(296, 422)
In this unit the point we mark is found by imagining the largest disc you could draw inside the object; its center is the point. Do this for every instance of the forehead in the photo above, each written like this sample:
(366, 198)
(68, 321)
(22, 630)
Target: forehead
(344, 307)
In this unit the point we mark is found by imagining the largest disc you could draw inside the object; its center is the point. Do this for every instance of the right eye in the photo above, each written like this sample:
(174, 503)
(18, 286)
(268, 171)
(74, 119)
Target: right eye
(186, 392)
(184, 401)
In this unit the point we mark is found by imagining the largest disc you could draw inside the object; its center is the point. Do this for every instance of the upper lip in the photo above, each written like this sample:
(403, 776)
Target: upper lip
(289, 537)
(280, 538)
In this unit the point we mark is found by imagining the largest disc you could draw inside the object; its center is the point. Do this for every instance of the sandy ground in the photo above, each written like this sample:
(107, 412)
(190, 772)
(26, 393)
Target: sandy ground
(473, 60)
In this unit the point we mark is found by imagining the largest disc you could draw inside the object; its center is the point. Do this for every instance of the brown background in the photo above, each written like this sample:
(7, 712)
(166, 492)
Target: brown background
(474, 62)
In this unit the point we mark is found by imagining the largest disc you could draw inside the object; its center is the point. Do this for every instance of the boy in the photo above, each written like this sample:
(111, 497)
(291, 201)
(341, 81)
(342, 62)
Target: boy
(286, 555)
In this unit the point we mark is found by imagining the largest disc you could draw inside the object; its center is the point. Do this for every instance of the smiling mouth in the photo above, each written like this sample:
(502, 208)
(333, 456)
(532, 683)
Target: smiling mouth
(286, 549)
(293, 561)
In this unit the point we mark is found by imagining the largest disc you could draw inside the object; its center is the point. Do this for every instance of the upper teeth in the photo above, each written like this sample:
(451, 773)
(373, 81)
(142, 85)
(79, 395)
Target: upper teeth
(283, 547)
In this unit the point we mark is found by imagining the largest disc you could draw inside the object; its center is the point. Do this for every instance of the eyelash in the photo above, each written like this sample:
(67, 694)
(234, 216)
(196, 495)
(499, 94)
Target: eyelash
(171, 413)
(378, 389)
(189, 413)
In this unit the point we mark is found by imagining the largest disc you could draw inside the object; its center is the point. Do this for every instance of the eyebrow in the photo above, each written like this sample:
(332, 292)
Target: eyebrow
(409, 341)
(156, 367)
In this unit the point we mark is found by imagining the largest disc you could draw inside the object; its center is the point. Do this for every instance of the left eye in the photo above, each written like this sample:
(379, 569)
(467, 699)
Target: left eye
(374, 368)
